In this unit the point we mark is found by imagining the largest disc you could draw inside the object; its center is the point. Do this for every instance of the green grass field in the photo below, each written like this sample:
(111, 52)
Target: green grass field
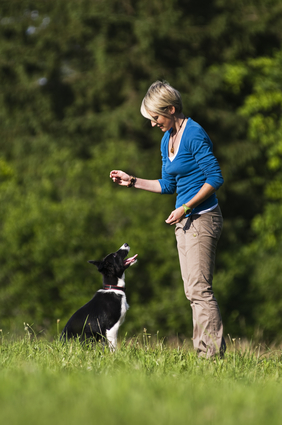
(44, 382)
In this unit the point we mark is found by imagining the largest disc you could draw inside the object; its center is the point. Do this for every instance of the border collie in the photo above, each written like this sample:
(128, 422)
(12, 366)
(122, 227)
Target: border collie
(102, 316)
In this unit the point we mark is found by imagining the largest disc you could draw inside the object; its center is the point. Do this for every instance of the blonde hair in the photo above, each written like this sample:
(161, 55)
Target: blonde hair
(159, 97)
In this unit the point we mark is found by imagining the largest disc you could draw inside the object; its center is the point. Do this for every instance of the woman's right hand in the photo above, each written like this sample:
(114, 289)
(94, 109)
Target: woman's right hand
(120, 177)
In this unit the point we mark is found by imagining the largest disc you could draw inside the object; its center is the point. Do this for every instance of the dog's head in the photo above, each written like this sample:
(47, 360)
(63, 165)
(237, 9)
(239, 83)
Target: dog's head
(114, 264)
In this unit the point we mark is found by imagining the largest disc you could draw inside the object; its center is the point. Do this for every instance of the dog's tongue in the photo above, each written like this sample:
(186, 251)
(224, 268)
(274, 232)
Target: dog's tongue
(130, 260)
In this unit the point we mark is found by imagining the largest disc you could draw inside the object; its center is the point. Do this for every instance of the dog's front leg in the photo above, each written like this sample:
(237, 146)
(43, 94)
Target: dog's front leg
(111, 336)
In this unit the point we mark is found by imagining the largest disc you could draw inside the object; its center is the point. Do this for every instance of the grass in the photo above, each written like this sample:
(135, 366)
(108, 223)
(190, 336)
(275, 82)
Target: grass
(43, 382)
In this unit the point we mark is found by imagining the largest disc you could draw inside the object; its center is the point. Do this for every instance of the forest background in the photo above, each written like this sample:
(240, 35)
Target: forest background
(73, 75)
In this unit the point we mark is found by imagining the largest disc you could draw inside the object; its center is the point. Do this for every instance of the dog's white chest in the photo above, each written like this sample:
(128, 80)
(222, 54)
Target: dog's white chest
(111, 334)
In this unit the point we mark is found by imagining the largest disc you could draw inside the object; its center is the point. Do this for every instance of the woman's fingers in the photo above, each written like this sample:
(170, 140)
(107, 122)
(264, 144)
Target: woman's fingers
(119, 177)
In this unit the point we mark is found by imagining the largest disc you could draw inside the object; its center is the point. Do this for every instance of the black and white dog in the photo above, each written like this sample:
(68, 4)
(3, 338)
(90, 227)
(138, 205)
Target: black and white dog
(102, 316)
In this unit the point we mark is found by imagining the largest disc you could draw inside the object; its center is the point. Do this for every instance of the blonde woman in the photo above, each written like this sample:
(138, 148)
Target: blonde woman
(190, 169)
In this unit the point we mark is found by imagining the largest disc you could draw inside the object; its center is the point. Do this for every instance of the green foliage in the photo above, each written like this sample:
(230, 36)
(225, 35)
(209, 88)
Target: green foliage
(73, 76)
(258, 263)
(264, 108)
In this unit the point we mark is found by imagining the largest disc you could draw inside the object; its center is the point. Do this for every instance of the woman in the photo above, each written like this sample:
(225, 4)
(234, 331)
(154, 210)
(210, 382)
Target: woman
(189, 168)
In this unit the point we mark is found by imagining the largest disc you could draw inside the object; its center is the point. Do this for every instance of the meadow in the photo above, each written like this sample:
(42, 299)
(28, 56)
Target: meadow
(143, 382)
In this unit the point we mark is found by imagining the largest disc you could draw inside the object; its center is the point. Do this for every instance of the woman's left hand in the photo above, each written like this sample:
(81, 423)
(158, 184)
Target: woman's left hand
(176, 216)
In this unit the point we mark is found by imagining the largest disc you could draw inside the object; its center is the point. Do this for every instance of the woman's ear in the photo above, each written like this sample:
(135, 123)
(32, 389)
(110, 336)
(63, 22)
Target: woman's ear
(171, 110)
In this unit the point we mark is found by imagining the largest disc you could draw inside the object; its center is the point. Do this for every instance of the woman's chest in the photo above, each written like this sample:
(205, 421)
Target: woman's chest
(182, 164)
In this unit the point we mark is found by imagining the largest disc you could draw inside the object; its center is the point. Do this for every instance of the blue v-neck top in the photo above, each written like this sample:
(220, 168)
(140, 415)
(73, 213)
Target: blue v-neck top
(193, 165)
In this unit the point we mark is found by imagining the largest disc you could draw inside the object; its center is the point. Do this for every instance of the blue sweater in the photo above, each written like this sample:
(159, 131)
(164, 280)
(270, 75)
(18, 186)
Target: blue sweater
(193, 165)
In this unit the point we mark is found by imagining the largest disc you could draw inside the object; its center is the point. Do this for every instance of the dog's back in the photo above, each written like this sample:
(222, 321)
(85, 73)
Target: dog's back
(95, 317)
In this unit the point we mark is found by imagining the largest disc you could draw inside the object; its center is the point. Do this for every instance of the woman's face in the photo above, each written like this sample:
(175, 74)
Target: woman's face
(164, 123)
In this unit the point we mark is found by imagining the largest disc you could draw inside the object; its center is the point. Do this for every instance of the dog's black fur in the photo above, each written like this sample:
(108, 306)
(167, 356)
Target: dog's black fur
(102, 316)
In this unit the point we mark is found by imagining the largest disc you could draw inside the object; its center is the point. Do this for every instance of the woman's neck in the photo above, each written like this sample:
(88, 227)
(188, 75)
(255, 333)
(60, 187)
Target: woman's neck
(178, 122)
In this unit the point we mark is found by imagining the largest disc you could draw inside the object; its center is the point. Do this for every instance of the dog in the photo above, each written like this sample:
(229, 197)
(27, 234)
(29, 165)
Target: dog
(101, 317)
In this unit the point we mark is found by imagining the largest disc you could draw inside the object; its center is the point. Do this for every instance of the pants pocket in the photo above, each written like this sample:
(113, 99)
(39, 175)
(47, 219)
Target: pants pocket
(217, 224)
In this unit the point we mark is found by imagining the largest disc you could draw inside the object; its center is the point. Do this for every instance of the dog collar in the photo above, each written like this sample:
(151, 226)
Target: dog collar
(114, 287)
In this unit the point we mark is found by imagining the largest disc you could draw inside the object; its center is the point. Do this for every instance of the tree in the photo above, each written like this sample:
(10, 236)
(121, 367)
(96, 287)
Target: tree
(73, 76)
(256, 266)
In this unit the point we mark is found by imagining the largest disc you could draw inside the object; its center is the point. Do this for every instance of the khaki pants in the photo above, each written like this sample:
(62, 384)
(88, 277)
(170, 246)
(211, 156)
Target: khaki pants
(197, 239)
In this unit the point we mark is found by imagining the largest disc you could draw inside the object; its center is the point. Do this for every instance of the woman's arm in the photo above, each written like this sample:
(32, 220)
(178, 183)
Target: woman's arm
(123, 179)
(204, 193)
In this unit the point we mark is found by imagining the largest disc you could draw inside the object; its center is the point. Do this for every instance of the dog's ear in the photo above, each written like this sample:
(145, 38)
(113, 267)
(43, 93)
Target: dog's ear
(98, 264)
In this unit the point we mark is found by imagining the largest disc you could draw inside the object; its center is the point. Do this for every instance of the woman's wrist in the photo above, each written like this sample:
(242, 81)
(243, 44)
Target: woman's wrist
(187, 210)
(132, 181)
